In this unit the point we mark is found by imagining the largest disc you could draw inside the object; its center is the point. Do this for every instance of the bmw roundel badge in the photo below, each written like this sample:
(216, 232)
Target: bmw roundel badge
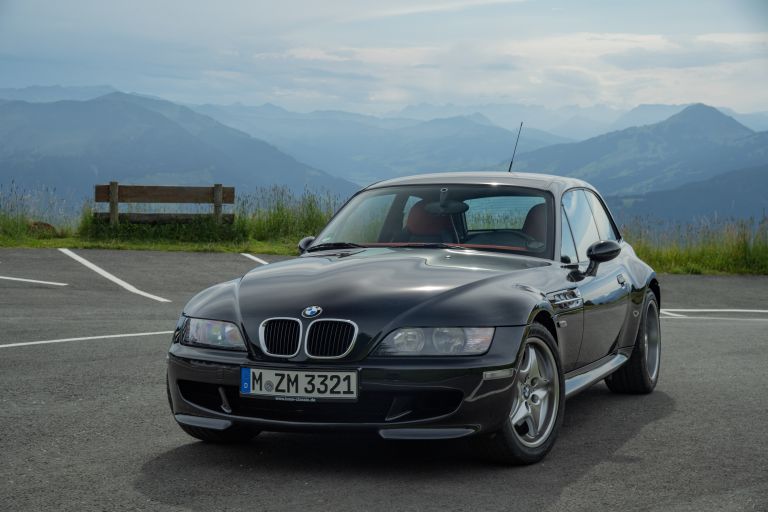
(311, 311)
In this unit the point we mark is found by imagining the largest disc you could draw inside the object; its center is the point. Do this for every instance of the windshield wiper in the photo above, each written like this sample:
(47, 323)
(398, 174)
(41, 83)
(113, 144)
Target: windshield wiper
(334, 245)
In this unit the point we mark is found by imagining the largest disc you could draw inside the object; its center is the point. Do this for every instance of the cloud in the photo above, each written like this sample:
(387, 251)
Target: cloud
(314, 54)
(413, 8)
(700, 51)
(374, 56)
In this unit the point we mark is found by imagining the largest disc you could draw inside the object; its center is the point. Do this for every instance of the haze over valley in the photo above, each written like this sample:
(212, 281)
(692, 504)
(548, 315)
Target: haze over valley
(73, 138)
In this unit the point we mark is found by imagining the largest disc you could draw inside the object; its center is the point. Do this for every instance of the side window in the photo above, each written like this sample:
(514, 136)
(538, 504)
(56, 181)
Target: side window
(603, 221)
(567, 247)
(576, 207)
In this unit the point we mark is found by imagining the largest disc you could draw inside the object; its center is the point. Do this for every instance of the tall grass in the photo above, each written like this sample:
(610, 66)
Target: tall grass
(736, 246)
(277, 214)
(37, 214)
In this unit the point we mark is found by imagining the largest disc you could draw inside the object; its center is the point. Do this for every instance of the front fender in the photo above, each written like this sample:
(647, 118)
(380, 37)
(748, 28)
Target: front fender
(219, 302)
(486, 303)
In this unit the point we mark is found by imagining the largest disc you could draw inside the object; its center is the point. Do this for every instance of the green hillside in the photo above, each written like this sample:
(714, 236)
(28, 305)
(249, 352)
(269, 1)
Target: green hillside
(695, 144)
(71, 145)
(737, 194)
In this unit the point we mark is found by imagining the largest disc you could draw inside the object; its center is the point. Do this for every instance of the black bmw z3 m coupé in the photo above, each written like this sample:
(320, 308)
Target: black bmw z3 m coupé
(430, 307)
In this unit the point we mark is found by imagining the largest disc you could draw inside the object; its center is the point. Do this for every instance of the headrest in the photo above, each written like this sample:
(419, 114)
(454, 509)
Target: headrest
(422, 223)
(536, 222)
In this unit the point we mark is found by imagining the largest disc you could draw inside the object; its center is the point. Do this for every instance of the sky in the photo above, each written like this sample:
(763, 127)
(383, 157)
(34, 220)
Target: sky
(379, 56)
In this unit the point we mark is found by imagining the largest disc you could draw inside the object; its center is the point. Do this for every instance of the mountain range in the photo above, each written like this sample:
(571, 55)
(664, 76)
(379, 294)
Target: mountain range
(573, 122)
(666, 151)
(72, 145)
(366, 148)
(739, 194)
(697, 143)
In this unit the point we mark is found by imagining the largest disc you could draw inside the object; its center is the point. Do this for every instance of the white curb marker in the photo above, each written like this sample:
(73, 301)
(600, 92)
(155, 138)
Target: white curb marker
(111, 277)
(32, 281)
(254, 258)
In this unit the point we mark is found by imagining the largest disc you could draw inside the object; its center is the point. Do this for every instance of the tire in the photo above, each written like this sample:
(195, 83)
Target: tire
(641, 373)
(233, 435)
(519, 441)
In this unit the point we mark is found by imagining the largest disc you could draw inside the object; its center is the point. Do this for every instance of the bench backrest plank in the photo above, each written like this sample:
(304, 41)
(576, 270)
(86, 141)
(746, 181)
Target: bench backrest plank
(164, 194)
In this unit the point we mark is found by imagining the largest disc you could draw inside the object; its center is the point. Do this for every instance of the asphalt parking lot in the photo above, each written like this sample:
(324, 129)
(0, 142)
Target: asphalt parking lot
(84, 422)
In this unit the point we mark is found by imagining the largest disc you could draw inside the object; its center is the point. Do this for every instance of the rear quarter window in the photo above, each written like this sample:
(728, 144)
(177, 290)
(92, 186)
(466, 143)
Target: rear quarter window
(604, 225)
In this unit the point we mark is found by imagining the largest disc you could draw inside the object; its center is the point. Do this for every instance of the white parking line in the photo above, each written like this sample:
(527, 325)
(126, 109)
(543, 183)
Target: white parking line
(105, 337)
(720, 318)
(32, 281)
(674, 314)
(715, 310)
(254, 258)
(111, 277)
(666, 312)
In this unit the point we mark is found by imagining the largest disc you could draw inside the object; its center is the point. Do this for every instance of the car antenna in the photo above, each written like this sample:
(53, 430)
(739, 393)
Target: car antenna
(515, 150)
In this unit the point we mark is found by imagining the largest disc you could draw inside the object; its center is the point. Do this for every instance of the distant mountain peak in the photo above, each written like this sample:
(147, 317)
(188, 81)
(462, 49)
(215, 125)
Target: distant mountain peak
(704, 118)
(271, 107)
(479, 118)
(699, 111)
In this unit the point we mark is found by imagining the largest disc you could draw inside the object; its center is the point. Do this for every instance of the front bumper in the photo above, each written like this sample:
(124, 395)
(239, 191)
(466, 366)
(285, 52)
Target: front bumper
(414, 398)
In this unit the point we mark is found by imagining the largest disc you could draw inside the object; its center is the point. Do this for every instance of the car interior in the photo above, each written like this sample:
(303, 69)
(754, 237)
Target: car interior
(431, 220)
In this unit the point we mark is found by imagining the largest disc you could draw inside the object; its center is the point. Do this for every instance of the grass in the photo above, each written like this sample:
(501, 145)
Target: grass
(283, 248)
(273, 220)
(724, 247)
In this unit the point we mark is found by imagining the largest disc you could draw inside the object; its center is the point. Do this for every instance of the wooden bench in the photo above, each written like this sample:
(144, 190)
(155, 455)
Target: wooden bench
(114, 194)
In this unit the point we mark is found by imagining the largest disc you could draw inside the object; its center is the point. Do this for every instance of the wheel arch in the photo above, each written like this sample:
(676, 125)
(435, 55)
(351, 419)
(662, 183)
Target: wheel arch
(544, 317)
(656, 289)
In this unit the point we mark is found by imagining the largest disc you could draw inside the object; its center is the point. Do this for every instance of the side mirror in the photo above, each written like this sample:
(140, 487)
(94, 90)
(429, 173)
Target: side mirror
(305, 242)
(600, 252)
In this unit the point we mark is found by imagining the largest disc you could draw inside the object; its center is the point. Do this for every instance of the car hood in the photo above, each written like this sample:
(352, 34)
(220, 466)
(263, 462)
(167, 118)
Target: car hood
(383, 287)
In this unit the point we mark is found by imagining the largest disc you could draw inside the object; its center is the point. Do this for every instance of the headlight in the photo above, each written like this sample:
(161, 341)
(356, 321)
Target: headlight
(437, 341)
(211, 333)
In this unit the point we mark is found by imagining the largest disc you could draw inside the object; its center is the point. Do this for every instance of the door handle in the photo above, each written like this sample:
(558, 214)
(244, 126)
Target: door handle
(622, 281)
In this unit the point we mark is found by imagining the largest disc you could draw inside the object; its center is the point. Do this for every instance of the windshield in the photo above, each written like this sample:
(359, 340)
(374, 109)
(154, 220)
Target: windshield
(484, 217)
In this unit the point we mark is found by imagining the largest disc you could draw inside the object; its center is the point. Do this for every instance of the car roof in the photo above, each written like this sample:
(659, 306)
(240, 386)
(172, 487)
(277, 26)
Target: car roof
(555, 184)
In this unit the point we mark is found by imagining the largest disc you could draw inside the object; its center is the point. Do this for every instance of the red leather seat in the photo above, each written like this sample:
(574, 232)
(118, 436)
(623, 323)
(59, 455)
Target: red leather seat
(422, 226)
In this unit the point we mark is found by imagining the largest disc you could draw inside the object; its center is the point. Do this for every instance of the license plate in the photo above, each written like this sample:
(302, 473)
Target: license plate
(297, 386)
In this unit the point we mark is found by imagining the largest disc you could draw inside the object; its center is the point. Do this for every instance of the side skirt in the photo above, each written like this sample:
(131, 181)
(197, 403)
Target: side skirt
(582, 381)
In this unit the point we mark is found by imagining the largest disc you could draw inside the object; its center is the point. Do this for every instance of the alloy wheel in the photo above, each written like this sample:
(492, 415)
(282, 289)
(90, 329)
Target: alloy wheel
(537, 394)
